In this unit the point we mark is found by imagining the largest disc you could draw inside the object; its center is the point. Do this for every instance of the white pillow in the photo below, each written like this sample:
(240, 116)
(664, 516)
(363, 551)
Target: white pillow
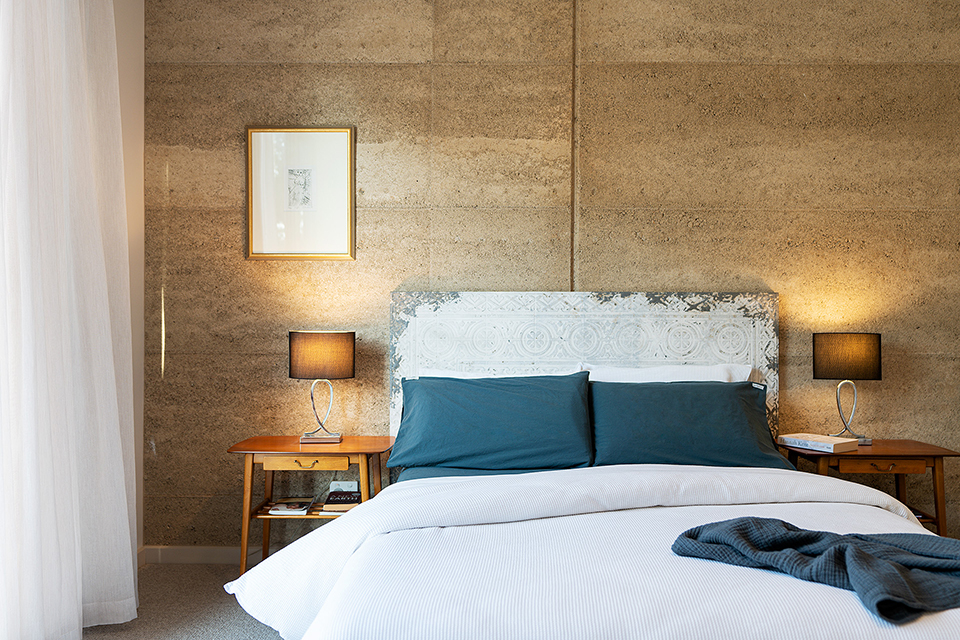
(670, 373)
(469, 375)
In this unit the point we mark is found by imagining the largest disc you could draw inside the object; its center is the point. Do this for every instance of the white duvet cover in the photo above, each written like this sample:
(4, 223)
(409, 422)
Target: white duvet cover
(574, 554)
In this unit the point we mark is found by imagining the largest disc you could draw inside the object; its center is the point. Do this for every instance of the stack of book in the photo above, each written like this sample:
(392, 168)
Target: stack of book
(341, 500)
(817, 442)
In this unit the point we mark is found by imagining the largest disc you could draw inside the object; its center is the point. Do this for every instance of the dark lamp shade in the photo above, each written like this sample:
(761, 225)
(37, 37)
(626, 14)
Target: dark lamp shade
(846, 356)
(321, 355)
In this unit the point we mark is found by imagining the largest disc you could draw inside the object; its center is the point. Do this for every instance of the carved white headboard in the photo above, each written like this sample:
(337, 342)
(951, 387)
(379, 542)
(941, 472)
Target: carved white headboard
(526, 333)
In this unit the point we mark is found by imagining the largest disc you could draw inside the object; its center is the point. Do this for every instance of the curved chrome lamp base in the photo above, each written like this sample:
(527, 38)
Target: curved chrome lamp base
(320, 435)
(850, 433)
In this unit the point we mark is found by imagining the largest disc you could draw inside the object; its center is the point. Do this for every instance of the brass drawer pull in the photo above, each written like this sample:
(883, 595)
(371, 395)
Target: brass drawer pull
(887, 470)
(312, 464)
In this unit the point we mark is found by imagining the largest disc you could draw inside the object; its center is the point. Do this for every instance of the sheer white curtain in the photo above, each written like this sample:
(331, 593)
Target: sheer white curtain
(67, 476)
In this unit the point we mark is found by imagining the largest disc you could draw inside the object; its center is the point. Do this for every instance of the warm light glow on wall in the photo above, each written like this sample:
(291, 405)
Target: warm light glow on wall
(826, 307)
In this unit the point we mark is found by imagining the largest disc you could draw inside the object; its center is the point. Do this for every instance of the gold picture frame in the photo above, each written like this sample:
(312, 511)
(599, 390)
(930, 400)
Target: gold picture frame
(300, 193)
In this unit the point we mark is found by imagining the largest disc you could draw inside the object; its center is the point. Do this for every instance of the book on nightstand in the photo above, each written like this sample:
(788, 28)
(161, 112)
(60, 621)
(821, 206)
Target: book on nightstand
(292, 506)
(817, 442)
(341, 500)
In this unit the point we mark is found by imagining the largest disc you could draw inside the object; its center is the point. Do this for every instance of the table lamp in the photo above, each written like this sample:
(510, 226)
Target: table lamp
(321, 356)
(847, 357)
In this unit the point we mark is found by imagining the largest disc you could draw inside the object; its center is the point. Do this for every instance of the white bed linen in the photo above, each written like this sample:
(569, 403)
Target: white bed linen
(580, 553)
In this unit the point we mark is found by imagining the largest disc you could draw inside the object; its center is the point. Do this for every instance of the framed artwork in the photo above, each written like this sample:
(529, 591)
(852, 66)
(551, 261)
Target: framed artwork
(300, 193)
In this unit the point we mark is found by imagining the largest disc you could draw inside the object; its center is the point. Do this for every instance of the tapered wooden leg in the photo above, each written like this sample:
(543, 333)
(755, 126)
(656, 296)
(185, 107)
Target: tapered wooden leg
(939, 498)
(376, 473)
(901, 486)
(247, 506)
(823, 466)
(268, 496)
(364, 478)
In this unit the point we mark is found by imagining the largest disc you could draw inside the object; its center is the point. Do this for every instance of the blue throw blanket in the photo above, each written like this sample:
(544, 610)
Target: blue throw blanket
(897, 576)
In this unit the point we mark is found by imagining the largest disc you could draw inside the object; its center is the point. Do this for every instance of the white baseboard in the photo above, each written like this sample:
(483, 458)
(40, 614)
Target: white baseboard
(169, 554)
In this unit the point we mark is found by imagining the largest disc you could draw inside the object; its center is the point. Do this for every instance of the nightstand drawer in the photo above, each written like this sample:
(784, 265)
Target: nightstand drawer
(881, 465)
(306, 463)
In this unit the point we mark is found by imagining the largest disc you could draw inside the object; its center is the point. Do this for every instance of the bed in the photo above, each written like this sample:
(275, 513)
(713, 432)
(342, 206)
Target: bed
(551, 447)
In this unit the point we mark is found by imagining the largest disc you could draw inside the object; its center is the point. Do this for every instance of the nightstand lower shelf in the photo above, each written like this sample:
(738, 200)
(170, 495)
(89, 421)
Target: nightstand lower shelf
(262, 511)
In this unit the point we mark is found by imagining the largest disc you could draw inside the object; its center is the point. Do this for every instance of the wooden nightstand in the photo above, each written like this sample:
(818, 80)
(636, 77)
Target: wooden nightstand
(894, 457)
(285, 453)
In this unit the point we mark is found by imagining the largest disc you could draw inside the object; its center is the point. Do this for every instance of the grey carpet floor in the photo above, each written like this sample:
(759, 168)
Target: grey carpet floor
(186, 602)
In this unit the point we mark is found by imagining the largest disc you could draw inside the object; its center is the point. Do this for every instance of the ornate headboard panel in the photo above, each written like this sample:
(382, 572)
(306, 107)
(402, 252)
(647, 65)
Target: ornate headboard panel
(527, 333)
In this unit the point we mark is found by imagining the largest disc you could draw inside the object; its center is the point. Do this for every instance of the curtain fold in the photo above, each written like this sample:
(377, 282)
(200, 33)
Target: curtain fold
(67, 472)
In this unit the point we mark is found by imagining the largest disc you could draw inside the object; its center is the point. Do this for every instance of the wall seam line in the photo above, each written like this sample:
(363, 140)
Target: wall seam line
(574, 149)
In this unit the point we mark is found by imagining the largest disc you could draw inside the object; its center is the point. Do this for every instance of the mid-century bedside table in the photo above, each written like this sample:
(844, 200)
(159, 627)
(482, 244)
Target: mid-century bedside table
(896, 457)
(285, 453)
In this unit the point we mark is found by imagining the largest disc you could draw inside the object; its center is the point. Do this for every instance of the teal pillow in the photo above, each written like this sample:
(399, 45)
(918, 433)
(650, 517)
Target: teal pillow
(720, 424)
(538, 422)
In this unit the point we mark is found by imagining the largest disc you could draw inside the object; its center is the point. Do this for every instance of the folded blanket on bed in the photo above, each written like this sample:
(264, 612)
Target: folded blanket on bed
(897, 576)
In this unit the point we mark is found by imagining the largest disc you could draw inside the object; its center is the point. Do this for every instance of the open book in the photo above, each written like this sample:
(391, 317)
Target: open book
(292, 506)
